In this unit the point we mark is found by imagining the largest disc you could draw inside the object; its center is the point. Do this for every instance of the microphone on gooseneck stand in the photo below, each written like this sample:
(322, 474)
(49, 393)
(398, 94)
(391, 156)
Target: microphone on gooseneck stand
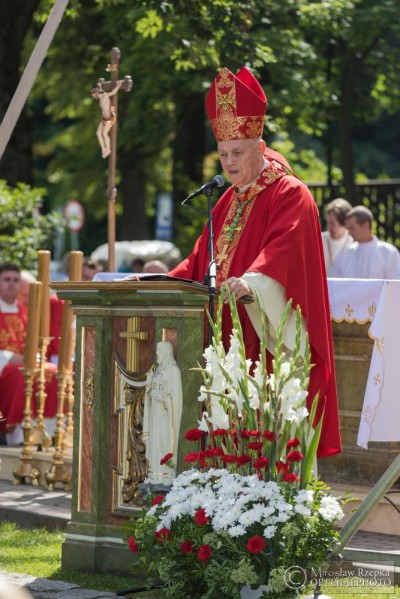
(217, 181)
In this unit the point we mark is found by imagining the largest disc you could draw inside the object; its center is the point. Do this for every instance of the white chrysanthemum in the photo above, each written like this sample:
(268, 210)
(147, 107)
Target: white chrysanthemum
(330, 509)
(269, 531)
(302, 509)
(251, 516)
(236, 531)
(304, 496)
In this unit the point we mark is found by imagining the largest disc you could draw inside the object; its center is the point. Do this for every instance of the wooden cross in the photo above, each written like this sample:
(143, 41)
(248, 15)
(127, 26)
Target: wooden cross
(133, 338)
(107, 94)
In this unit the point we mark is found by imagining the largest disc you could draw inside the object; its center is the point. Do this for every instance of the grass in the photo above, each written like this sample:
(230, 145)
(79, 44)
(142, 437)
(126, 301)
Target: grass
(38, 553)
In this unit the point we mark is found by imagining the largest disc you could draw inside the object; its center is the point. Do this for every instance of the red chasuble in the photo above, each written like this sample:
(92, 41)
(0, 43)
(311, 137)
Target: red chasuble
(12, 380)
(277, 234)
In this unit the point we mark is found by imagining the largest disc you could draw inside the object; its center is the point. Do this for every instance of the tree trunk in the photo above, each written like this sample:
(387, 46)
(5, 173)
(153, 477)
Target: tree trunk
(16, 18)
(189, 146)
(345, 137)
(131, 192)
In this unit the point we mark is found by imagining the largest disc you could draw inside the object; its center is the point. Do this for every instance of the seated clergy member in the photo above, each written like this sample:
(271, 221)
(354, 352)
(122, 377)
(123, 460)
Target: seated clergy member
(367, 257)
(267, 239)
(13, 320)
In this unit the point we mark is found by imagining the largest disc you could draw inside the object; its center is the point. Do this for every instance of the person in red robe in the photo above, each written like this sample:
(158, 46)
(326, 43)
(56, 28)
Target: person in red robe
(267, 240)
(13, 321)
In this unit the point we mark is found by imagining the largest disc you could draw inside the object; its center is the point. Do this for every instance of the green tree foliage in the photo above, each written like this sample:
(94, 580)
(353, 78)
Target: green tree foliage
(327, 67)
(23, 229)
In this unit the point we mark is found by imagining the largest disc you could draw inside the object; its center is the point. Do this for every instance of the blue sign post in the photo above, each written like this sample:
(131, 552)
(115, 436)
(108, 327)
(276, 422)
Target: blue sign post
(164, 217)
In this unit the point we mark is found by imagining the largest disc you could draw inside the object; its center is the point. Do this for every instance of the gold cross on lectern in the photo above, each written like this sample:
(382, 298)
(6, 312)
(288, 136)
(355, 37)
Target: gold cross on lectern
(133, 338)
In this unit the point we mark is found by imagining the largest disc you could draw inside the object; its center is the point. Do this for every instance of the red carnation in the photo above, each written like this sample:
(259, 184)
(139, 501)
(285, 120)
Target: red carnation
(242, 460)
(201, 517)
(163, 534)
(248, 434)
(256, 445)
(157, 499)
(292, 443)
(227, 459)
(194, 434)
(269, 435)
(215, 452)
(132, 544)
(291, 477)
(282, 467)
(204, 553)
(294, 456)
(219, 432)
(192, 458)
(187, 547)
(166, 458)
(256, 544)
(261, 463)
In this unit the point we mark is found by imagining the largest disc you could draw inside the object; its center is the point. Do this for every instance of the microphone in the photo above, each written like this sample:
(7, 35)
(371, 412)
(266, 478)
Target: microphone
(217, 181)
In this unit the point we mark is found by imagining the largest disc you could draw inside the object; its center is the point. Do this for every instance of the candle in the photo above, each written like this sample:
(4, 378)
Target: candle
(32, 331)
(44, 277)
(66, 325)
(75, 266)
(67, 335)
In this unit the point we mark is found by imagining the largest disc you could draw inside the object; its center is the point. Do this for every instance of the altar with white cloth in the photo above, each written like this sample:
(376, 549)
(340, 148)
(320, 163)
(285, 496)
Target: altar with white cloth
(366, 331)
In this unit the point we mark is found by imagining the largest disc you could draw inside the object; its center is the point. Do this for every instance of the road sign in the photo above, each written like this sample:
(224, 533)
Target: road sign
(75, 215)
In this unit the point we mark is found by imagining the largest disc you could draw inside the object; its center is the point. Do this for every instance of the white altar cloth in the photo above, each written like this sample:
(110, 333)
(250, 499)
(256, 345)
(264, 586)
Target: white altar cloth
(378, 302)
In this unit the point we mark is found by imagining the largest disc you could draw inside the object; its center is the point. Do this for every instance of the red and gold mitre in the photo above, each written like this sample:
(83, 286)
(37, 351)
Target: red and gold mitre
(236, 105)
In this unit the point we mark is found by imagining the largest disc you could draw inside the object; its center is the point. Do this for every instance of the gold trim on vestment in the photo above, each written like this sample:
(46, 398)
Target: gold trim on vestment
(227, 243)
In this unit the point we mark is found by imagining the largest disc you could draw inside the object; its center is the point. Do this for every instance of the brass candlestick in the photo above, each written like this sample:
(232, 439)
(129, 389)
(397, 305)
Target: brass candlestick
(57, 472)
(40, 437)
(69, 416)
(25, 468)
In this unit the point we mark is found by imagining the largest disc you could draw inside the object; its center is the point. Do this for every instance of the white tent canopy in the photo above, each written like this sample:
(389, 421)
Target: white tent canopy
(127, 251)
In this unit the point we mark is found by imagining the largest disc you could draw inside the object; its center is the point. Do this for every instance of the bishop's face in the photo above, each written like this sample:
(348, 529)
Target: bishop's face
(241, 159)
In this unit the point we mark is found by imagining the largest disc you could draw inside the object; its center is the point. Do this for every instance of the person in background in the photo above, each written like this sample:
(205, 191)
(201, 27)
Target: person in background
(367, 257)
(26, 279)
(155, 266)
(267, 239)
(137, 265)
(336, 237)
(90, 268)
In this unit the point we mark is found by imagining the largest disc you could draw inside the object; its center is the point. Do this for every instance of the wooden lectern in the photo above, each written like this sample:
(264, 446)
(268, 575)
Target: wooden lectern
(118, 325)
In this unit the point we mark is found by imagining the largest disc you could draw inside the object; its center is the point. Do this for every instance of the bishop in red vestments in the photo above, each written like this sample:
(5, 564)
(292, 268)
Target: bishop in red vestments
(267, 240)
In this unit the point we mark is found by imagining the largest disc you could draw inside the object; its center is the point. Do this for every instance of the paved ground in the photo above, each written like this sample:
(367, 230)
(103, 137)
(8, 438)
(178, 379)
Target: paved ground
(35, 507)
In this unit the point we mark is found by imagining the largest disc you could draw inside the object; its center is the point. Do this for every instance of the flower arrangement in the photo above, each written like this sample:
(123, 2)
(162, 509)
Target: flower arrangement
(249, 513)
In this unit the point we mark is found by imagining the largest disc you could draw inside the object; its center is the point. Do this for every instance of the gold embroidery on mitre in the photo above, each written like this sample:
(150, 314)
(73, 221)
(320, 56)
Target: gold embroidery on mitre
(225, 78)
(254, 126)
(227, 126)
(226, 102)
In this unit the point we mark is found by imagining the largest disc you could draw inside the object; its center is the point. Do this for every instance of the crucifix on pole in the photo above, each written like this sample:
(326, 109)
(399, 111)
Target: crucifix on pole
(106, 92)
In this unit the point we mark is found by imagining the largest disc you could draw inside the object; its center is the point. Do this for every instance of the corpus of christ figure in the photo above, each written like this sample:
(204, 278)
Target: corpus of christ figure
(104, 92)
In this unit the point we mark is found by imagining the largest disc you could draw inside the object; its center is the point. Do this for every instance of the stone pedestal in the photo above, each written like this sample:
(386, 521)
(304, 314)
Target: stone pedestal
(354, 466)
(108, 462)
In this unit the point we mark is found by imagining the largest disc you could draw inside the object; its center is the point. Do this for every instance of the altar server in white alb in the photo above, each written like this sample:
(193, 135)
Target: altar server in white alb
(367, 257)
